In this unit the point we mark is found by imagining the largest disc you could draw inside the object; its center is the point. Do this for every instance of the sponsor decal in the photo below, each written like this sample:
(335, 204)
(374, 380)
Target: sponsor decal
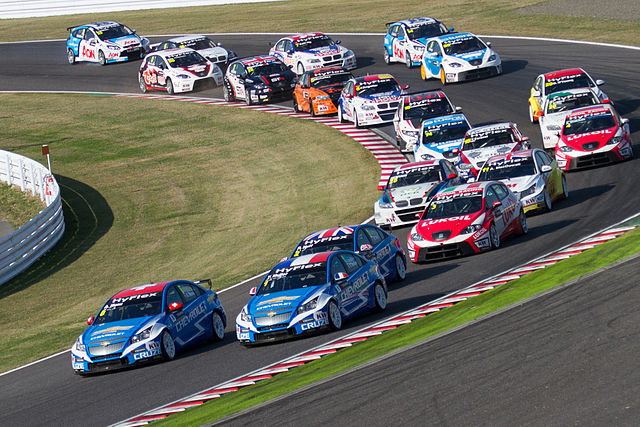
(279, 273)
(146, 354)
(278, 300)
(244, 336)
(312, 325)
(183, 321)
(482, 243)
(453, 218)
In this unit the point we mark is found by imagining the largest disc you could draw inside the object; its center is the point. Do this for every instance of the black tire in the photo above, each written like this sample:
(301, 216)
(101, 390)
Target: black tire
(407, 59)
(311, 112)
(386, 57)
(548, 205)
(400, 267)
(227, 93)
(296, 107)
(565, 189)
(356, 122)
(101, 58)
(494, 237)
(168, 346)
(217, 327)
(380, 297)
(334, 315)
(247, 97)
(532, 118)
(340, 116)
(170, 87)
(71, 56)
(143, 85)
(524, 227)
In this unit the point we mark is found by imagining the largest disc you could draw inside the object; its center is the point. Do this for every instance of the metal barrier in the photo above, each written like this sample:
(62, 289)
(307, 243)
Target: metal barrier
(24, 246)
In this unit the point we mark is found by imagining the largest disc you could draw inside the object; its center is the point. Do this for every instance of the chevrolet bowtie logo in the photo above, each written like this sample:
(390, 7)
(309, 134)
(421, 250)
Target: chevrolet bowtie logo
(271, 313)
(105, 343)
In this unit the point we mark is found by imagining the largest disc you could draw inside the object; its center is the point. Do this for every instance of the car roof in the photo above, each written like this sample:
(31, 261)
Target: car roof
(470, 187)
(373, 77)
(329, 232)
(451, 118)
(417, 165)
(455, 36)
(429, 94)
(415, 22)
(260, 59)
(592, 109)
(490, 127)
(304, 260)
(300, 36)
(563, 73)
(173, 52)
(327, 71)
(142, 289)
(508, 156)
(188, 37)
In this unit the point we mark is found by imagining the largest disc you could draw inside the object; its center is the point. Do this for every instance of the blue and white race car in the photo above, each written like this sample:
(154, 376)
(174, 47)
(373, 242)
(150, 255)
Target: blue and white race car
(384, 247)
(441, 138)
(309, 51)
(370, 100)
(148, 322)
(104, 42)
(459, 57)
(310, 292)
(405, 40)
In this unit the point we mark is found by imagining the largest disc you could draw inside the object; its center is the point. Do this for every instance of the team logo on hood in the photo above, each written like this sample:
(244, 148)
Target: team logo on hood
(112, 329)
(278, 299)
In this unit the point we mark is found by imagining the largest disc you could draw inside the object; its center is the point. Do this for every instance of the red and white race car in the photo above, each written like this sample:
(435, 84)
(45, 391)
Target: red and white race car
(593, 136)
(309, 51)
(465, 220)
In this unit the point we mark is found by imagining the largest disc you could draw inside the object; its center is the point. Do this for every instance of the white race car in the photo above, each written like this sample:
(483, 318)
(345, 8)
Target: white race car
(442, 138)
(416, 108)
(104, 42)
(405, 40)
(370, 100)
(308, 51)
(206, 47)
(177, 70)
(459, 57)
(557, 107)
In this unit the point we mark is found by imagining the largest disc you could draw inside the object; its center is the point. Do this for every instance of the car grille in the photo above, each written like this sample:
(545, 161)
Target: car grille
(131, 53)
(272, 320)
(110, 364)
(590, 146)
(281, 83)
(440, 252)
(217, 59)
(594, 159)
(478, 73)
(203, 84)
(101, 350)
(475, 62)
(108, 356)
(449, 154)
(441, 235)
(409, 214)
(276, 326)
(271, 336)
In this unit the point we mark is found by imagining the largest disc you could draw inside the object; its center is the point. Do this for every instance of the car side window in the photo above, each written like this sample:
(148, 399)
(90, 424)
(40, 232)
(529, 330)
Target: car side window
(304, 81)
(374, 235)
(348, 88)
(430, 46)
(362, 239)
(240, 71)
(173, 296)
(490, 197)
(501, 193)
(393, 30)
(160, 62)
(401, 33)
(542, 159)
(436, 49)
(88, 35)
(79, 33)
(188, 293)
(351, 262)
(280, 45)
(288, 45)
(337, 266)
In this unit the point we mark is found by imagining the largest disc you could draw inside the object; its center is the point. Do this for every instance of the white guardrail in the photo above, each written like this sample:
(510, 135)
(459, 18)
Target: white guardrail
(25, 245)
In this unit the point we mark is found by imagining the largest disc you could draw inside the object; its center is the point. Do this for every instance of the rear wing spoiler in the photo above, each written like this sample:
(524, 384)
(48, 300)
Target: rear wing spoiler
(386, 24)
(207, 281)
(71, 28)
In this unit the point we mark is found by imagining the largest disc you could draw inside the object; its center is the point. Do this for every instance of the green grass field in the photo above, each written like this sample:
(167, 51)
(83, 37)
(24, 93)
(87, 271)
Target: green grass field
(17, 207)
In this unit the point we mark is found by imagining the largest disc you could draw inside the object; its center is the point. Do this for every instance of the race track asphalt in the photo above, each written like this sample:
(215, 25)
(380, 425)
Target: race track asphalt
(48, 393)
(567, 358)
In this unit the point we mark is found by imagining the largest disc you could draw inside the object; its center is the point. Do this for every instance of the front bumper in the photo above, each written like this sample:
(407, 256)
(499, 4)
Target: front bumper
(84, 363)
(453, 76)
(586, 159)
(425, 251)
(398, 216)
(249, 333)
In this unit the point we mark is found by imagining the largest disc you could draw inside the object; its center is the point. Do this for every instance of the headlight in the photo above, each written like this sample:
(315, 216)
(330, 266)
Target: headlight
(471, 229)
(427, 157)
(553, 128)
(308, 306)
(385, 205)
(323, 97)
(565, 149)
(142, 335)
(113, 47)
(348, 54)
(492, 58)
(79, 346)
(416, 237)
(244, 316)
(455, 64)
(258, 86)
(182, 76)
(615, 140)
(313, 61)
(464, 166)
(418, 47)
(368, 107)
(411, 133)
(529, 191)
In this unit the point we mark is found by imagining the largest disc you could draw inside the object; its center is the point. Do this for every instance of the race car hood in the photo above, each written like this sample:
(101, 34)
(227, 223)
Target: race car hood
(271, 79)
(589, 141)
(324, 50)
(442, 229)
(114, 330)
(470, 56)
(444, 146)
(283, 300)
(520, 183)
(213, 52)
(554, 119)
(196, 69)
(378, 98)
(333, 88)
(478, 156)
(124, 41)
(408, 192)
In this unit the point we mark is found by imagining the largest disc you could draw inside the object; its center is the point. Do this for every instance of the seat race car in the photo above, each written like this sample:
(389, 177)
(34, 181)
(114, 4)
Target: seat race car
(104, 43)
(530, 174)
(258, 79)
(486, 141)
(413, 110)
(409, 189)
(370, 100)
(442, 138)
(405, 40)
(465, 220)
(561, 80)
(364, 238)
(206, 47)
(178, 70)
(308, 51)
(459, 57)
(557, 107)
(148, 322)
(593, 136)
(311, 292)
(317, 91)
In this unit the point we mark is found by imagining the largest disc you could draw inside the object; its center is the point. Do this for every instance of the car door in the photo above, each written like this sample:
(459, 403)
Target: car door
(303, 101)
(399, 43)
(389, 38)
(508, 205)
(346, 100)
(177, 320)
(74, 41)
(537, 94)
(382, 250)
(354, 292)
(88, 46)
(433, 58)
(195, 308)
(162, 71)
(553, 177)
(489, 199)
(288, 54)
(236, 76)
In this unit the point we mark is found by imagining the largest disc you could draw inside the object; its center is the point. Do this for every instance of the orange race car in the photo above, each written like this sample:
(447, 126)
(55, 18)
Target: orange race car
(317, 91)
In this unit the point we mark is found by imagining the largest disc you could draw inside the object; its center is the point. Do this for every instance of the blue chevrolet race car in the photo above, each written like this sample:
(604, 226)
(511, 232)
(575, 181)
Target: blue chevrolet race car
(104, 42)
(441, 138)
(405, 40)
(366, 239)
(148, 322)
(310, 292)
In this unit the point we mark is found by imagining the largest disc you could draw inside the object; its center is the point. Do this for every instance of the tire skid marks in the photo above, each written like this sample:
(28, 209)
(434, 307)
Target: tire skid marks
(387, 155)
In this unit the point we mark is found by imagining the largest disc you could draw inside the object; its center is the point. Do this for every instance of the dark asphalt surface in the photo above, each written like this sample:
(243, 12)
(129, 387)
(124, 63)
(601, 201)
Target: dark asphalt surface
(48, 393)
(567, 358)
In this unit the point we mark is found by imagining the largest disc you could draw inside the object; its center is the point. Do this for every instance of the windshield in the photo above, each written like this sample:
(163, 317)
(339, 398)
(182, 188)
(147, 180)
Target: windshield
(426, 30)
(446, 207)
(131, 307)
(414, 176)
(313, 42)
(287, 278)
(185, 60)
(325, 244)
(445, 133)
(584, 124)
(267, 69)
(569, 82)
(198, 44)
(376, 87)
(428, 109)
(457, 47)
(330, 79)
(570, 102)
(506, 169)
(113, 32)
(489, 139)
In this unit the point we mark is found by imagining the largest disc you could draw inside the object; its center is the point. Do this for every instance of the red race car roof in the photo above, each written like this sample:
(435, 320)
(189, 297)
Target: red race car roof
(143, 289)
(563, 73)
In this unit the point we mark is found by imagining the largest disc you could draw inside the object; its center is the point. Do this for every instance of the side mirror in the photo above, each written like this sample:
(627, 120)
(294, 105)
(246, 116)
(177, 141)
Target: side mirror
(600, 82)
(175, 306)
(488, 44)
(253, 291)
(339, 277)
(405, 87)
(284, 258)
(545, 168)
(455, 151)
(218, 44)
(338, 42)
(458, 109)
(452, 30)
(471, 179)
(624, 121)
(452, 176)
(90, 320)
(418, 215)
(288, 51)
(539, 113)
(535, 93)
(366, 251)
(496, 204)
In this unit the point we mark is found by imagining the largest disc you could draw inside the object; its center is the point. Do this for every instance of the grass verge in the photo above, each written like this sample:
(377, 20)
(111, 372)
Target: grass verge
(463, 312)
(18, 207)
(161, 190)
(481, 16)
